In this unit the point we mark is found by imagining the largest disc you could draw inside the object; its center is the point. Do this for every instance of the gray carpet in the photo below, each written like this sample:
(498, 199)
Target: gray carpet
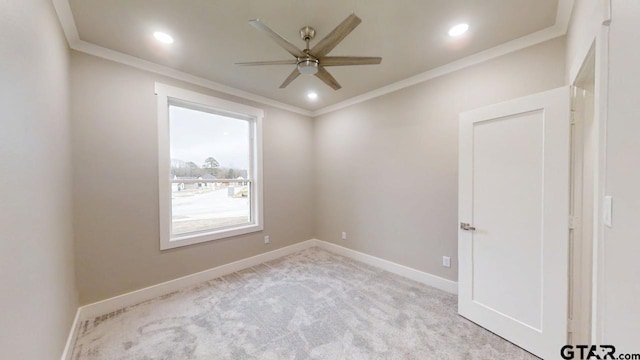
(309, 305)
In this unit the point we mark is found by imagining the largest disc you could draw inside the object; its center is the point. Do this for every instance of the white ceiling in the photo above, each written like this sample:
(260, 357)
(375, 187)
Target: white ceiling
(410, 35)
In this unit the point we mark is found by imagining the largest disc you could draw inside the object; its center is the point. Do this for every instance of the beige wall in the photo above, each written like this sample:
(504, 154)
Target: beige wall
(38, 297)
(116, 189)
(621, 282)
(387, 168)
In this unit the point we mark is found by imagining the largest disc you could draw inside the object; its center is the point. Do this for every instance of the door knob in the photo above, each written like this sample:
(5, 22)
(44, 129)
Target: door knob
(465, 226)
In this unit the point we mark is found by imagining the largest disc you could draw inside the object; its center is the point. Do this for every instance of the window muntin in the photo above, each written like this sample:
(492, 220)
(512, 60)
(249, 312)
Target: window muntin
(210, 172)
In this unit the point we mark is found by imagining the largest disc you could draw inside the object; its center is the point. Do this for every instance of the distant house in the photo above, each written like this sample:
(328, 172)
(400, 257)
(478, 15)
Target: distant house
(179, 186)
(241, 181)
(209, 177)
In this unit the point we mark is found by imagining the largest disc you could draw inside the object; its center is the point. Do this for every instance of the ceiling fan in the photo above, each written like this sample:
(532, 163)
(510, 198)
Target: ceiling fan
(312, 61)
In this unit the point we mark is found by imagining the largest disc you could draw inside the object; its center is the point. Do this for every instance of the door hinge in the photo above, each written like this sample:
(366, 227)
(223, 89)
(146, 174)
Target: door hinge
(574, 222)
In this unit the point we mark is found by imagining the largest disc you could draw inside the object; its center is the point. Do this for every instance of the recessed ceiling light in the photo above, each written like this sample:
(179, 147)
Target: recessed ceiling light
(458, 30)
(312, 95)
(163, 37)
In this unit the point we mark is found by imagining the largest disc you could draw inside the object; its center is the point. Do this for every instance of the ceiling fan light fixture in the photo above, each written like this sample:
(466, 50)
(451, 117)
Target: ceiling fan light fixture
(308, 66)
(311, 61)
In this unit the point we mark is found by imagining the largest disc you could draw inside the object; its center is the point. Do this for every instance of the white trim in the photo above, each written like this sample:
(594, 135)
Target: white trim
(601, 112)
(138, 296)
(579, 322)
(492, 53)
(563, 15)
(71, 339)
(165, 95)
(65, 15)
(599, 37)
(89, 311)
(600, 16)
(404, 271)
(196, 97)
(145, 65)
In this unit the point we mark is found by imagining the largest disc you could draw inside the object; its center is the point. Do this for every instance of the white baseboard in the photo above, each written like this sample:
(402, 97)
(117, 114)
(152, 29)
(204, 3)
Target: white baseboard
(135, 297)
(71, 339)
(413, 274)
(148, 293)
(121, 301)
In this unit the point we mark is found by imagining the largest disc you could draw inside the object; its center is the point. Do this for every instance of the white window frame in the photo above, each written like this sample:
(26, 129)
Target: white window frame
(169, 95)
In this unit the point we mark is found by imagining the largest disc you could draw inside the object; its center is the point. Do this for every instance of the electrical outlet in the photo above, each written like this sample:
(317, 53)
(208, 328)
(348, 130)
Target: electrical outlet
(344, 235)
(266, 239)
(446, 261)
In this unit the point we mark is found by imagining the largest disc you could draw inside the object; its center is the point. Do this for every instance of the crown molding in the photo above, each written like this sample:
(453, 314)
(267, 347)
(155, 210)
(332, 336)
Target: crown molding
(477, 58)
(65, 15)
(563, 15)
(145, 65)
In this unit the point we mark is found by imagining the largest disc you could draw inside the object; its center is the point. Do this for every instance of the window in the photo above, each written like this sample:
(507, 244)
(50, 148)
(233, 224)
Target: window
(210, 165)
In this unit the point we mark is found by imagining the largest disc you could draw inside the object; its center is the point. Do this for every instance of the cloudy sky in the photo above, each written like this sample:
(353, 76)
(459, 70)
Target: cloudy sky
(196, 135)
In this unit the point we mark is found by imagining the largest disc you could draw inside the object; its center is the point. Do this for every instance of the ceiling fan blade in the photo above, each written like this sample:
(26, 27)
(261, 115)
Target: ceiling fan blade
(292, 49)
(340, 32)
(276, 62)
(324, 75)
(294, 74)
(349, 60)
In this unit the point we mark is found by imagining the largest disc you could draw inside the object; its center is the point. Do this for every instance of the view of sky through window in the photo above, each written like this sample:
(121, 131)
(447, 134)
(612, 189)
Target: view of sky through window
(206, 147)
(197, 136)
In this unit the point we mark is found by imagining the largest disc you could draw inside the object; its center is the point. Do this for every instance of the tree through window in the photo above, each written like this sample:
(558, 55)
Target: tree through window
(213, 168)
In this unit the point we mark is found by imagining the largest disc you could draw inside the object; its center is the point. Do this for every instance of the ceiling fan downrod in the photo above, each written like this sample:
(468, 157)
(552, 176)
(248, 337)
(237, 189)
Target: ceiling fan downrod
(312, 61)
(307, 65)
(307, 34)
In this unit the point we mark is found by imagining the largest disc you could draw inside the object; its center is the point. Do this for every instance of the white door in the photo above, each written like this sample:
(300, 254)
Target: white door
(514, 196)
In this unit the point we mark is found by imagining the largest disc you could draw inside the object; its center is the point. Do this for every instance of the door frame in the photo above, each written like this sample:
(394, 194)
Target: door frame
(598, 40)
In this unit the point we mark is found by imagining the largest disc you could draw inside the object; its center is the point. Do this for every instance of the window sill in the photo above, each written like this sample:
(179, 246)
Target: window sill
(190, 239)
